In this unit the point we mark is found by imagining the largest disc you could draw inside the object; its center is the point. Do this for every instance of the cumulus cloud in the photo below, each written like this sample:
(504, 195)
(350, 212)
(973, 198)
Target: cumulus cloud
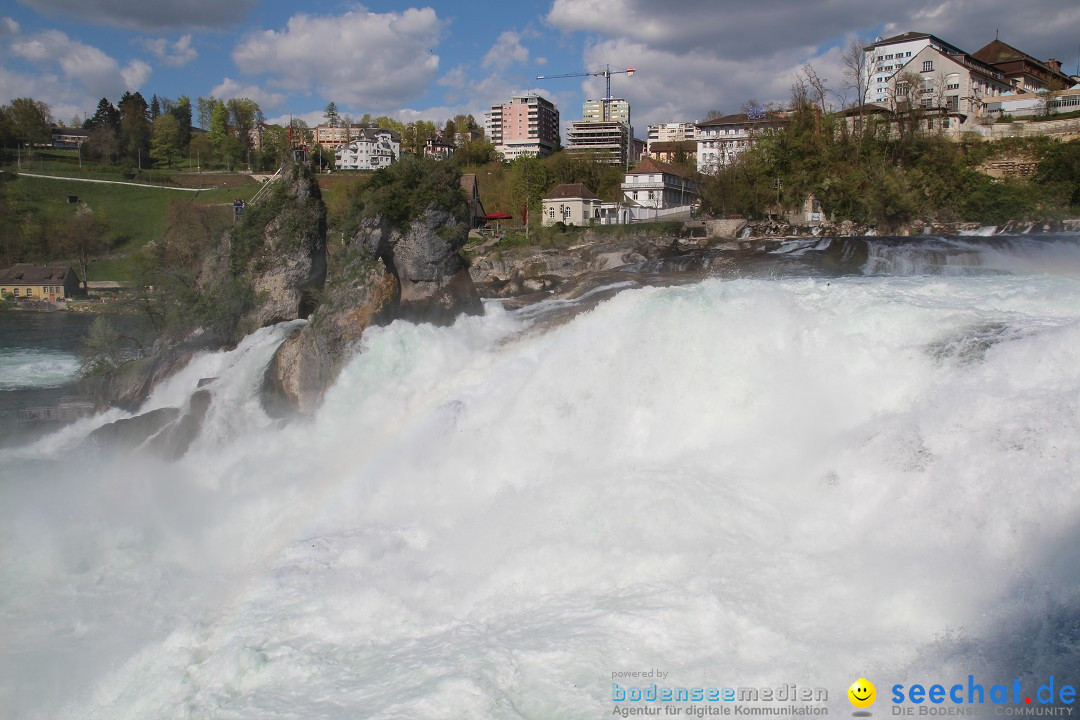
(358, 59)
(229, 88)
(174, 54)
(698, 55)
(506, 50)
(83, 73)
(147, 14)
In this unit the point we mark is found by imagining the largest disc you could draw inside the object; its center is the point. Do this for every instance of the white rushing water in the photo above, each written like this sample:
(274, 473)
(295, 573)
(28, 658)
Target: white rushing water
(741, 483)
(22, 369)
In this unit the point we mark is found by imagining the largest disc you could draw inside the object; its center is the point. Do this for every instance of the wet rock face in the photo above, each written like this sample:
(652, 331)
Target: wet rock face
(291, 265)
(434, 280)
(309, 360)
(166, 432)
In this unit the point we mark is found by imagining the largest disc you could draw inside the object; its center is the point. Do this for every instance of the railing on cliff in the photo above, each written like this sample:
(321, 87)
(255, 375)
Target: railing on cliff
(265, 189)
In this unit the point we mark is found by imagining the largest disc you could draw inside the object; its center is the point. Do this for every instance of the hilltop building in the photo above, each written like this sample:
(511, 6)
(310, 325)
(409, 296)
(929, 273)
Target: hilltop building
(527, 125)
(372, 149)
(721, 140)
(953, 90)
(1023, 72)
(886, 56)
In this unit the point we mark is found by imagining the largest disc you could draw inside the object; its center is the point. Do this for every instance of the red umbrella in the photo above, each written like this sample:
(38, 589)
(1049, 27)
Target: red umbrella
(498, 216)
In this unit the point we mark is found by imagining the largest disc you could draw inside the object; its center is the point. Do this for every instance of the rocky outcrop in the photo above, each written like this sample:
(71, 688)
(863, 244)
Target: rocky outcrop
(291, 264)
(166, 432)
(407, 269)
(309, 360)
(433, 278)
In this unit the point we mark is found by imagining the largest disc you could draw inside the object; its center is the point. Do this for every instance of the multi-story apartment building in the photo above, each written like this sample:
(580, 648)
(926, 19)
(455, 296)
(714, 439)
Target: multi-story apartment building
(330, 136)
(610, 142)
(618, 110)
(719, 141)
(952, 89)
(671, 132)
(885, 57)
(527, 125)
(374, 148)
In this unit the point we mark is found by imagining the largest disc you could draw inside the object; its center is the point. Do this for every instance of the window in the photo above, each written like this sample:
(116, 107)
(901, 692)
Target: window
(15, 292)
(908, 54)
(952, 102)
(566, 212)
(928, 66)
(29, 292)
(551, 212)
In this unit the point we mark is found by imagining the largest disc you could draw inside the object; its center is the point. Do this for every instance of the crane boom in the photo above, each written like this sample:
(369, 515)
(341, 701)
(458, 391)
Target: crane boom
(607, 72)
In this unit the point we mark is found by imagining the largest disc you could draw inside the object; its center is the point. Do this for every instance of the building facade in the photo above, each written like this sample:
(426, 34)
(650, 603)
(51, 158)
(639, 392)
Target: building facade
(659, 185)
(372, 149)
(886, 56)
(721, 140)
(571, 204)
(1023, 72)
(26, 281)
(527, 125)
(608, 142)
(952, 90)
(618, 110)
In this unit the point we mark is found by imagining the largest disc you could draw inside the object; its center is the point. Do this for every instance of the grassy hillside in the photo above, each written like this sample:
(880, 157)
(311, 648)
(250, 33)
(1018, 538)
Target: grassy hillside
(36, 209)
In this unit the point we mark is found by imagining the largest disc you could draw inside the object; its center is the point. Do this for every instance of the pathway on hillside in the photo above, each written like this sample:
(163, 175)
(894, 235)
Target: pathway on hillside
(113, 182)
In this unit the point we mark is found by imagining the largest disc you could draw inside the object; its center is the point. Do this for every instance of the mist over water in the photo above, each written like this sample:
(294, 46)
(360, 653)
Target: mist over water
(746, 482)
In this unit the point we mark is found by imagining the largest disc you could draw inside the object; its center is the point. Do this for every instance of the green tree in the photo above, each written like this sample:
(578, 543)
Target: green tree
(244, 116)
(165, 144)
(181, 110)
(219, 125)
(135, 128)
(81, 237)
(106, 115)
(102, 144)
(205, 107)
(331, 115)
(31, 120)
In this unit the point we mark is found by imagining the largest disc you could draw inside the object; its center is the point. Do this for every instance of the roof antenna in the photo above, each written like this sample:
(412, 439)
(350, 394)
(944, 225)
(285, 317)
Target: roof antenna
(995, 33)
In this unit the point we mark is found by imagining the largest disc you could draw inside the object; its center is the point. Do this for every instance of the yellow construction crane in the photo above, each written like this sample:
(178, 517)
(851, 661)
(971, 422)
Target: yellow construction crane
(607, 72)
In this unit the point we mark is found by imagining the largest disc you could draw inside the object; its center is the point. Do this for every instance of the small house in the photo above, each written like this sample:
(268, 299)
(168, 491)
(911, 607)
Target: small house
(25, 281)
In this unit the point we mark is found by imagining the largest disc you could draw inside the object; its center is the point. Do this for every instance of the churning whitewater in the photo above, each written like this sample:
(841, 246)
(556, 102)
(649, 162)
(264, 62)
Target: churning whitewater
(744, 482)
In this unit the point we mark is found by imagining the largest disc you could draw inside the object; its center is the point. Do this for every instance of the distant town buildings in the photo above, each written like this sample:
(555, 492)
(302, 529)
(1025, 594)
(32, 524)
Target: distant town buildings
(527, 125)
(438, 147)
(952, 89)
(607, 142)
(372, 148)
(887, 56)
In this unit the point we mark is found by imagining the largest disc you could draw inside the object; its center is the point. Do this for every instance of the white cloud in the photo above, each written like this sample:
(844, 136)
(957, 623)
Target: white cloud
(174, 54)
(360, 59)
(454, 79)
(229, 88)
(86, 74)
(506, 51)
(147, 14)
(312, 118)
(8, 27)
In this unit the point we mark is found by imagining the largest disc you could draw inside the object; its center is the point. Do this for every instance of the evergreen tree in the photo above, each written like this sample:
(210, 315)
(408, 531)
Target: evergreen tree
(181, 110)
(155, 108)
(135, 131)
(106, 116)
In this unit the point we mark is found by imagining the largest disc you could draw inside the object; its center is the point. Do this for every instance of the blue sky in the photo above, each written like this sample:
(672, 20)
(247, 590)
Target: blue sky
(434, 60)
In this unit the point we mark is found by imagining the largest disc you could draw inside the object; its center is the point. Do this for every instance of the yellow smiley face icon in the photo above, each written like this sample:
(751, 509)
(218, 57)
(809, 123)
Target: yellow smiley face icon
(862, 693)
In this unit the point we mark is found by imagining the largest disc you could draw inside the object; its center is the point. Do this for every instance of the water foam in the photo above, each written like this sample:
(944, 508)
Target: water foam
(24, 369)
(743, 483)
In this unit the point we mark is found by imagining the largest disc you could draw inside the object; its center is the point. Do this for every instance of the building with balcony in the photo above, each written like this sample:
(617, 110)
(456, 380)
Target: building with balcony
(660, 185)
(373, 148)
(527, 125)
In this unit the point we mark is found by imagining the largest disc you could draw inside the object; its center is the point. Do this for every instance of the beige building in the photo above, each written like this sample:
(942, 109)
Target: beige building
(952, 90)
(571, 204)
(25, 281)
(659, 185)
